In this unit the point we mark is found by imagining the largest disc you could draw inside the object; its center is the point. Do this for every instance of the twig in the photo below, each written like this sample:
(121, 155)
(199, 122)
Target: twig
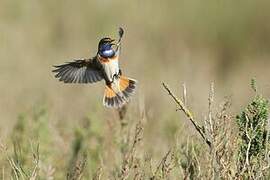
(210, 102)
(211, 129)
(16, 169)
(161, 164)
(189, 115)
(129, 158)
(98, 174)
(36, 160)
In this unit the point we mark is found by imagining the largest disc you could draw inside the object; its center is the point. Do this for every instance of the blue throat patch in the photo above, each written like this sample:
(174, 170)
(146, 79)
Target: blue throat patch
(106, 50)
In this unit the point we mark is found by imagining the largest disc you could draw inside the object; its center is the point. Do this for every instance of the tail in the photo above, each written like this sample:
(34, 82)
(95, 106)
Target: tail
(117, 100)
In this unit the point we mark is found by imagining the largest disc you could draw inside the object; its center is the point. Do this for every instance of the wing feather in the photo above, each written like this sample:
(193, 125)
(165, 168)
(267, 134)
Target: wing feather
(79, 71)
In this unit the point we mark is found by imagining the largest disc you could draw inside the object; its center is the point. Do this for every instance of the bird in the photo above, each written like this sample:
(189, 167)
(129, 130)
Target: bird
(103, 66)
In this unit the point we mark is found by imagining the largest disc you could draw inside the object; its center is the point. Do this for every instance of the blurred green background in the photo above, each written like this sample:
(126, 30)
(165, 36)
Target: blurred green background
(177, 41)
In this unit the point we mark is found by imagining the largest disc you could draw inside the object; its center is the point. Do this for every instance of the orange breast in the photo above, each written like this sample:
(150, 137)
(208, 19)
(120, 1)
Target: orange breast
(103, 60)
(106, 60)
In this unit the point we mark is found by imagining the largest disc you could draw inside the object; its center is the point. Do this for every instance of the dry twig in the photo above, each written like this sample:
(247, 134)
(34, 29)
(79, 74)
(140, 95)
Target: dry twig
(187, 112)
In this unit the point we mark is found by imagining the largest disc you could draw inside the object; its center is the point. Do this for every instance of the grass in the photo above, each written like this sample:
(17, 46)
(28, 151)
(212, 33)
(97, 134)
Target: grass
(31, 152)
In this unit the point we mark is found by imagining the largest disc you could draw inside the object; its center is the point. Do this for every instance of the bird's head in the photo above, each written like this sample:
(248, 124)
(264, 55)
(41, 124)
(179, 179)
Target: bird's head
(105, 47)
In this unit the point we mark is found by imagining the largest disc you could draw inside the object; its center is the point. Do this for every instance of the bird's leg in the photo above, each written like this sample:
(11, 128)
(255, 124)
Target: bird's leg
(116, 76)
(120, 72)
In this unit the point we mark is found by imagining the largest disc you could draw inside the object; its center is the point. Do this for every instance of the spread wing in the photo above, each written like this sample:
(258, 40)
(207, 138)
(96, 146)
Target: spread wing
(79, 71)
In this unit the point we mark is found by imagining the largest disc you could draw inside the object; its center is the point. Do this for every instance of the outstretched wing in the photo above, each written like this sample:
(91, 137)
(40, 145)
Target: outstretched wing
(79, 71)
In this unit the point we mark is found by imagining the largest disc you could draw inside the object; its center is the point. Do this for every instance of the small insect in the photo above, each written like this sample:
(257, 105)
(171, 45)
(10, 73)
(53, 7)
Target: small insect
(105, 65)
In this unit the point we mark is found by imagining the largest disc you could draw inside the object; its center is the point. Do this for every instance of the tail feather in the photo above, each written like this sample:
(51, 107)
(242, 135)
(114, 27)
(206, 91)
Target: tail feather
(117, 100)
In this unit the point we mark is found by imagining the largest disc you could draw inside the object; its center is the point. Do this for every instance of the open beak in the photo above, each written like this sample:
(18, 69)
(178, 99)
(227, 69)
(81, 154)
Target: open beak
(115, 44)
(112, 40)
(112, 43)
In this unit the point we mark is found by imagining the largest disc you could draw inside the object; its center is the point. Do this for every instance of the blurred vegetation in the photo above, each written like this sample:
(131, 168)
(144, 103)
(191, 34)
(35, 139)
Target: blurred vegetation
(50, 130)
(253, 124)
(119, 151)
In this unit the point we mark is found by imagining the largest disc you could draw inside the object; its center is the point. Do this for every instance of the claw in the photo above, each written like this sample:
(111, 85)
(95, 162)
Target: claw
(120, 72)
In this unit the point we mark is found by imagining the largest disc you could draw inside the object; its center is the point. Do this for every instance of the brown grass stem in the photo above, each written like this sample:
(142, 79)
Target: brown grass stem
(188, 113)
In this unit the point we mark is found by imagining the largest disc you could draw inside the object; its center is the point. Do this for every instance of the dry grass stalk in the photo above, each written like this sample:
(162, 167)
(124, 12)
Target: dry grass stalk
(188, 113)
(161, 165)
(98, 174)
(164, 168)
(17, 170)
(35, 153)
(49, 172)
(190, 166)
(76, 171)
(77, 163)
(129, 158)
(217, 134)
(218, 129)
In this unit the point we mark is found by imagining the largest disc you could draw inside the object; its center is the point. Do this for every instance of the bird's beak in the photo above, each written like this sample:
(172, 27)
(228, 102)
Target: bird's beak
(111, 41)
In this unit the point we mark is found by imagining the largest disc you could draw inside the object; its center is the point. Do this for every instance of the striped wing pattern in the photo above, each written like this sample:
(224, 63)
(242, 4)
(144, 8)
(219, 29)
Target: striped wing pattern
(78, 71)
